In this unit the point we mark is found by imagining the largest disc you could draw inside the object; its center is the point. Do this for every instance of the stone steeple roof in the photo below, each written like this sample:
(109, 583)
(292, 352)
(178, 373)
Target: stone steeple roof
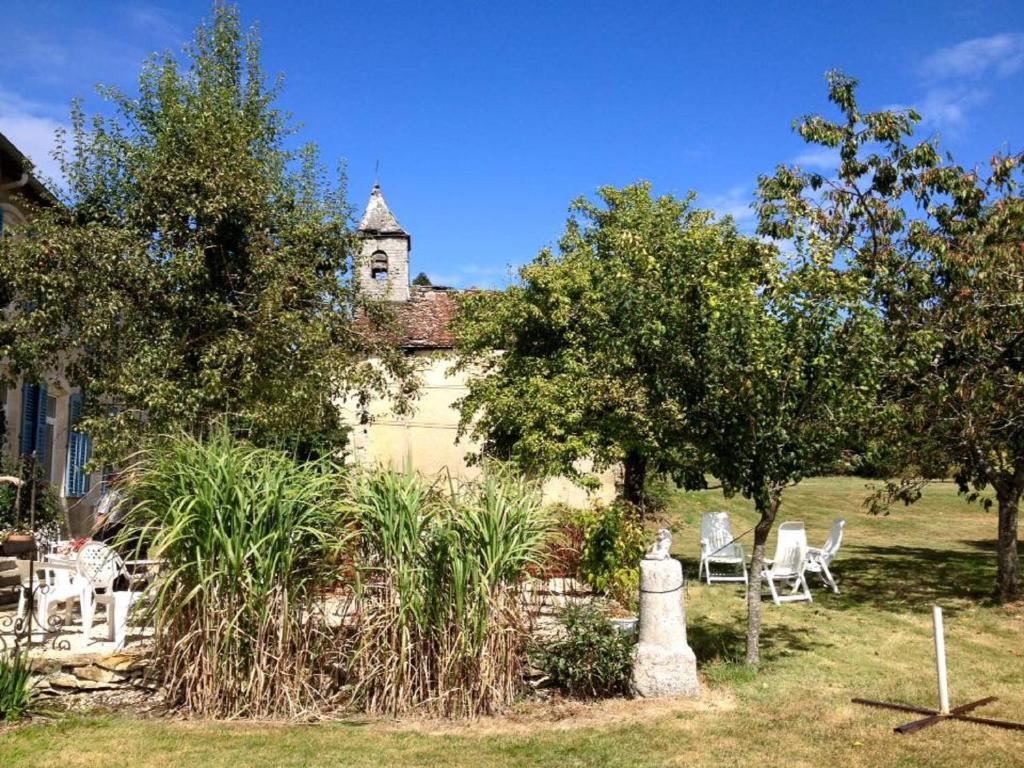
(378, 218)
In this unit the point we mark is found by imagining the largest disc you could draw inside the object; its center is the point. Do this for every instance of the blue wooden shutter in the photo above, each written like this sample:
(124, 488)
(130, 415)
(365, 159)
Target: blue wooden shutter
(41, 446)
(29, 417)
(79, 450)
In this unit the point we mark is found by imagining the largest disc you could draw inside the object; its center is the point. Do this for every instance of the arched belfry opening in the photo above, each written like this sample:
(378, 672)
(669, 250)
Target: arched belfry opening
(383, 266)
(379, 265)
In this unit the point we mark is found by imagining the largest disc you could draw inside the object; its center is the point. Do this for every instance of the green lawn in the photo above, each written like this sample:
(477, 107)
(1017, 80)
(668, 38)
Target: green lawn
(873, 640)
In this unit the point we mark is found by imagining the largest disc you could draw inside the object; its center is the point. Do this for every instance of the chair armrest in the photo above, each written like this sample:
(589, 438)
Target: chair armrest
(48, 566)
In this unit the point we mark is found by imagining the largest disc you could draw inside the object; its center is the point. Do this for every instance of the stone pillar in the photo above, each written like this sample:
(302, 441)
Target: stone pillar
(664, 665)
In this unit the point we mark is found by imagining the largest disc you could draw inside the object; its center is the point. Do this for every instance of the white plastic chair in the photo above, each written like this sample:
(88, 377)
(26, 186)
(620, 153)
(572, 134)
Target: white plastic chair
(788, 564)
(819, 558)
(717, 546)
(52, 584)
(99, 567)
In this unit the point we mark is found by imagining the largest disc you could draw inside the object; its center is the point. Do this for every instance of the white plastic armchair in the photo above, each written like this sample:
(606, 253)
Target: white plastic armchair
(99, 567)
(718, 547)
(51, 585)
(820, 558)
(787, 567)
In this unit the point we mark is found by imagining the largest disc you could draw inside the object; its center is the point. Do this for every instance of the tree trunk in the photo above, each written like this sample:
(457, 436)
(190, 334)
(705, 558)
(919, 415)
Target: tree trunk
(761, 531)
(1008, 572)
(634, 478)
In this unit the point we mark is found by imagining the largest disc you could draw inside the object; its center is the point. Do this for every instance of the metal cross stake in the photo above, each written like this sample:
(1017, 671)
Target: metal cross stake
(933, 716)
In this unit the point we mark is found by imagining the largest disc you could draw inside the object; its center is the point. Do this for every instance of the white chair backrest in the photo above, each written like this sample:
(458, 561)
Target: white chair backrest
(99, 565)
(835, 538)
(790, 548)
(707, 523)
(717, 531)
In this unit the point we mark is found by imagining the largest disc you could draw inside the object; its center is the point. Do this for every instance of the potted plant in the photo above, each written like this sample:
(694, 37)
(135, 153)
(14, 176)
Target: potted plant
(28, 507)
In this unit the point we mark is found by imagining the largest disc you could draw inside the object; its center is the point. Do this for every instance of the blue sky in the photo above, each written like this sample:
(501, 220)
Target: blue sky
(488, 118)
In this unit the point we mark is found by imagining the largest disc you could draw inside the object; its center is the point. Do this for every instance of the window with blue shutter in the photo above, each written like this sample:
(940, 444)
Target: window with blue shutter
(79, 450)
(42, 444)
(29, 418)
(33, 425)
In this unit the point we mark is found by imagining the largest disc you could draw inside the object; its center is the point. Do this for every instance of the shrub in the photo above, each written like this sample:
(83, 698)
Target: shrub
(15, 688)
(563, 550)
(613, 545)
(592, 659)
(250, 538)
(441, 616)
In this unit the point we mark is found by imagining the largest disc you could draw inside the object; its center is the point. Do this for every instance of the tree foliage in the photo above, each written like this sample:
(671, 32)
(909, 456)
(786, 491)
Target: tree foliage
(940, 251)
(586, 357)
(197, 265)
(661, 337)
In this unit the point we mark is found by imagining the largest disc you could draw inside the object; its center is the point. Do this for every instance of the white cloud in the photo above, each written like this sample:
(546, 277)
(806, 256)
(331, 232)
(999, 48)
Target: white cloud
(735, 202)
(475, 276)
(963, 76)
(948, 107)
(32, 129)
(818, 157)
(155, 23)
(1001, 55)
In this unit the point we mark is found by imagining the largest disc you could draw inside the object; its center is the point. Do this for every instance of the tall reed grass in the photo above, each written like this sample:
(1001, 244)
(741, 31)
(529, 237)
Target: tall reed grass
(441, 620)
(252, 541)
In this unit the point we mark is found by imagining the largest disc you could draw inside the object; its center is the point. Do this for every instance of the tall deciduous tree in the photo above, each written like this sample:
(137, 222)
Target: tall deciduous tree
(788, 376)
(586, 357)
(940, 250)
(197, 268)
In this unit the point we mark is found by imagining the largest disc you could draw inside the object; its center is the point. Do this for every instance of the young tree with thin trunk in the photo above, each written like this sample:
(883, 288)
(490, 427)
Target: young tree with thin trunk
(939, 250)
(789, 373)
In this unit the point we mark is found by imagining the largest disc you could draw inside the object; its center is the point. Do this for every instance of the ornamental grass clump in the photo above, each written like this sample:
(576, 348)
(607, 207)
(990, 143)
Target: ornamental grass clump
(442, 622)
(252, 541)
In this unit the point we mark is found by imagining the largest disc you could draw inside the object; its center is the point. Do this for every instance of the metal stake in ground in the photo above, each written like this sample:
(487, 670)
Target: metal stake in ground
(934, 716)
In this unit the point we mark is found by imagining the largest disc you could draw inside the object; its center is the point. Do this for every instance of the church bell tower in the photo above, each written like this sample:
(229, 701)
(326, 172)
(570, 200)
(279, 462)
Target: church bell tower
(382, 268)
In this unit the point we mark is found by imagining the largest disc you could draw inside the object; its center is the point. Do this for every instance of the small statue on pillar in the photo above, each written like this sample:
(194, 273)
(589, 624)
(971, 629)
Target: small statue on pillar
(664, 665)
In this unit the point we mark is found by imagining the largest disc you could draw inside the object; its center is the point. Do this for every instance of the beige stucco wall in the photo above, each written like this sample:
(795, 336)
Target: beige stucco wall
(425, 440)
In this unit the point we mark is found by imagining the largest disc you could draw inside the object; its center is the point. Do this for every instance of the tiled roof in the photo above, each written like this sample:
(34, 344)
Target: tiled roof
(422, 322)
(426, 318)
(378, 218)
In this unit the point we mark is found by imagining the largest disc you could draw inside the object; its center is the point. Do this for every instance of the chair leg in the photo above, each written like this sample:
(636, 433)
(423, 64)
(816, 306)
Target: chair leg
(88, 603)
(42, 618)
(22, 600)
(111, 620)
(121, 605)
(807, 591)
(771, 586)
(828, 578)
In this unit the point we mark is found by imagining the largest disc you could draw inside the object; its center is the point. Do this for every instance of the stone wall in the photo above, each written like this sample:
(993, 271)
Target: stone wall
(61, 673)
(396, 287)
